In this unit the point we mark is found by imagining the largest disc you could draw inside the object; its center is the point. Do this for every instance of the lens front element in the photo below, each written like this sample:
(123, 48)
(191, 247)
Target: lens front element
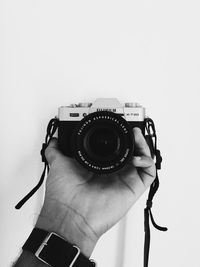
(102, 142)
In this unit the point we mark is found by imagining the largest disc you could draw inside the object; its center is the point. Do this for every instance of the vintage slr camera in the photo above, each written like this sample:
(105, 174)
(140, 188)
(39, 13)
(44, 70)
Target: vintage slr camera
(99, 135)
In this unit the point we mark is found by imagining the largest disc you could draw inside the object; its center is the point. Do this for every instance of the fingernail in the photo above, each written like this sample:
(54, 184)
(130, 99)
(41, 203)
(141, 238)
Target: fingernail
(137, 158)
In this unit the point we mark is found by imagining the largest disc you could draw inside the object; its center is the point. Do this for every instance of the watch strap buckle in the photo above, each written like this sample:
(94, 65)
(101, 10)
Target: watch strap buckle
(45, 243)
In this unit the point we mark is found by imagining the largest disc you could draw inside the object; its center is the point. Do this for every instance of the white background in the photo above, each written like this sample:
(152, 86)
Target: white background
(54, 53)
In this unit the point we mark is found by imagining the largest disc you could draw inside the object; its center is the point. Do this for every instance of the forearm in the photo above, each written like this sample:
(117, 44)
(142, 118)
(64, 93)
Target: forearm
(62, 221)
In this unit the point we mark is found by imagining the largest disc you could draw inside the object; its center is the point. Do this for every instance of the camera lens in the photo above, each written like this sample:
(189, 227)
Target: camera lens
(102, 142)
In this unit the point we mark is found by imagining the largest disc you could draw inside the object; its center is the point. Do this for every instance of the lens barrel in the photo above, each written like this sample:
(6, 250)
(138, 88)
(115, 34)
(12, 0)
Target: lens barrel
(102, 142)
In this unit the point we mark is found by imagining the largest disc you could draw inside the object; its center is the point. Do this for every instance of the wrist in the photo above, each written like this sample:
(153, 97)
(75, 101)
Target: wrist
(61, 219)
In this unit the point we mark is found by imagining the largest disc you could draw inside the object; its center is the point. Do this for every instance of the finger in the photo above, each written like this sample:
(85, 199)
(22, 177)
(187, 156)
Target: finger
(143, 161)
(142, 147)
(146, 169)
(52, 151)
(53, 143)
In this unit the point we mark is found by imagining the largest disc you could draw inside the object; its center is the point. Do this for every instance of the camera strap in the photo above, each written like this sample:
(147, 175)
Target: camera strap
(51, 129)
(152, 140)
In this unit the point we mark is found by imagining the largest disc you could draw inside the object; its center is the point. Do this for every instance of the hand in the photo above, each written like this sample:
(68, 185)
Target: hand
(81, 205)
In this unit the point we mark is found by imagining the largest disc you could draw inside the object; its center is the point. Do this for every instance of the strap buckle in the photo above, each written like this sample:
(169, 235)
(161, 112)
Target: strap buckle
(76, 256)
(45, 243)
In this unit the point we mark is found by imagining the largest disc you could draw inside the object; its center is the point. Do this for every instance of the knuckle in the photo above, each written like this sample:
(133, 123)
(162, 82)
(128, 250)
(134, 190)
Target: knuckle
(49, 153)
(151, 160)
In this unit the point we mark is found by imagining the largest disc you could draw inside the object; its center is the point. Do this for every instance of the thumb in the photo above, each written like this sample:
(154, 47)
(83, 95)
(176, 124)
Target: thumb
(143, 161)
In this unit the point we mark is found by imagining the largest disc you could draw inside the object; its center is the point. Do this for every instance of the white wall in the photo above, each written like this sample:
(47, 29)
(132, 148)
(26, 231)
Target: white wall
(54, 53)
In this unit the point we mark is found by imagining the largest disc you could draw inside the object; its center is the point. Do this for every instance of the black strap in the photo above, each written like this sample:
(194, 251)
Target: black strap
(56, 251)
(51, 129)
(152, 141)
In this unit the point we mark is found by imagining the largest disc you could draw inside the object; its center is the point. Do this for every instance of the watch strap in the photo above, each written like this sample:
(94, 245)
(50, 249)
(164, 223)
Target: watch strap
(55, 251)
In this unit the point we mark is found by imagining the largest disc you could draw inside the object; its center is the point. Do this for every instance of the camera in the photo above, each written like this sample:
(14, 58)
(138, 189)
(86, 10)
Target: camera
(99, 135)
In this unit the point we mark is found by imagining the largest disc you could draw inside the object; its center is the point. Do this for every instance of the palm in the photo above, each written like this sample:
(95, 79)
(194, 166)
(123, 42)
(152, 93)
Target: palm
(98, 201)
(101, 199)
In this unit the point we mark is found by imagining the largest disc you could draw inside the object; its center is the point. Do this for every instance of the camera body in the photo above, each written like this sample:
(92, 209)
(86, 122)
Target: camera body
(99, 131)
